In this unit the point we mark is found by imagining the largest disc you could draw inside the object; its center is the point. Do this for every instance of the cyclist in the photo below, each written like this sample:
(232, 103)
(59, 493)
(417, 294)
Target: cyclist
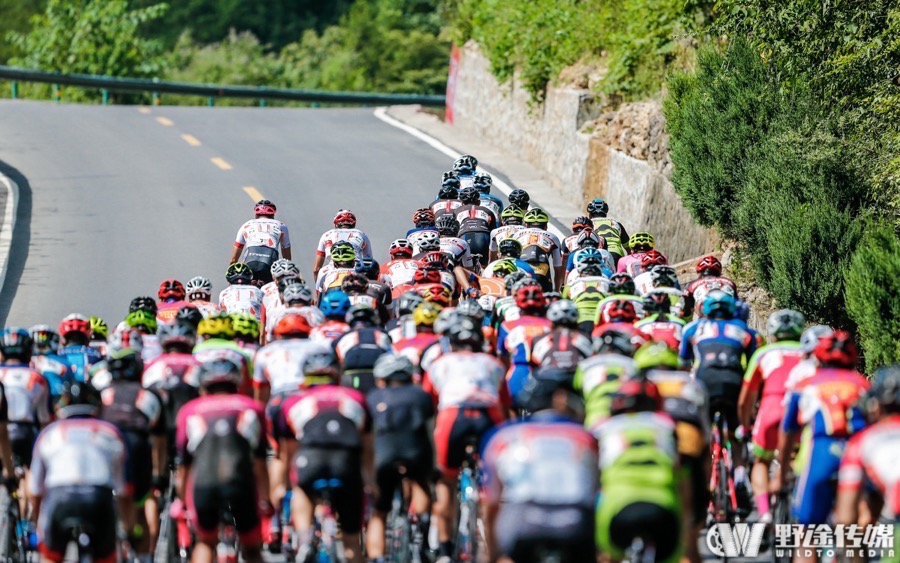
(398, 272)
(225, 430)
(271, 301)
(402, 325)
(334, 307)
(423, 316)
(639, 244)
(618, 315)
(475, 224)
(47, 362)
(262, 236)
(273, 307)
(171, 296)
(469, 389)
(344, 231)
(639, 474)
(298, 300)
(610, 229)
(520, 199)
(659, 324)
(483, 182)
(78, 477)
(451, 244)
(99, 332)
(541, 249)
(241, 296)
(216, 343)
(75, 331)
(510, 222)
(145, 323)
(588, 290)
(560, 351)
(589, 243)
(505, 308)
(447, 199)
(709, 271)
(509, 249)
(378, 287)
(579, 225)
(343, 262)
(199, 295)
(643, 282)
(766, 376)
(324, 437)
(599, 376)
(663, 279)
(246, 331)
(356, 287)
(401, 419)
(527, 509)
(359, 348)
(465, 169)
(515, 339)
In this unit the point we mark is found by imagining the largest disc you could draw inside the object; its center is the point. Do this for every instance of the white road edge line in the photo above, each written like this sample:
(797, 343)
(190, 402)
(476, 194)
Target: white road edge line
(381, 113)
(9, 225)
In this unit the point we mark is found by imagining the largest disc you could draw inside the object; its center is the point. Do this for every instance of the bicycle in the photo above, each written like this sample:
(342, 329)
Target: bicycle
(227, 549)
(326, 545)
(469, 524)
(405, 540)
(723, 505)
(781, 515)
(14, 542)
(174, 542)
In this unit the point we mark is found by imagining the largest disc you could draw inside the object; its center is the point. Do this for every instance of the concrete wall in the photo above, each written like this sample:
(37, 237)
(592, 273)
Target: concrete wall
(584, 152)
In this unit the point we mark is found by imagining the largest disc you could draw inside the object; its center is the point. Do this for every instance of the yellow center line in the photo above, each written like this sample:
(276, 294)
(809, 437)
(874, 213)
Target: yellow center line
(253, 193)
(144, 110)
(191, 140)
(221, 163)
(164, 121)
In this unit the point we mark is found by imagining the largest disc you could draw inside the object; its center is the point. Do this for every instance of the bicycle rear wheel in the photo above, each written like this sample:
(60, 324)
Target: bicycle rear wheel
(7, 526)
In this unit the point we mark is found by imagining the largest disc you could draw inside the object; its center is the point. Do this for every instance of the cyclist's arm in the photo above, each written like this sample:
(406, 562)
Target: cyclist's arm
(623, 235)
(285, 242)
(5, 450)
(317, 265)
(749, 391)
(236, 253)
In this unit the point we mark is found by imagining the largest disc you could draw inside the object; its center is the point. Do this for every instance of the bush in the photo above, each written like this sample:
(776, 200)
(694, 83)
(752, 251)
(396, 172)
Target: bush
(873, 295)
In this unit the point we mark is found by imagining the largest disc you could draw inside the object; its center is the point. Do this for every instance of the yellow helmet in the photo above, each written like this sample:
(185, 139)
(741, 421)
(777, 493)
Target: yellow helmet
(426, 313)
(216, 326)
(245, 324)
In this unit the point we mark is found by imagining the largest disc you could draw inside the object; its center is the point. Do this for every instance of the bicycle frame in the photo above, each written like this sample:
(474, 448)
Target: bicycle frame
(724, 499)
(469, 524)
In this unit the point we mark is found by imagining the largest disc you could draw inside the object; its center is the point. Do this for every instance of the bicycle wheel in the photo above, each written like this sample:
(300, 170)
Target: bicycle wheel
(6, 523)
(166, 544)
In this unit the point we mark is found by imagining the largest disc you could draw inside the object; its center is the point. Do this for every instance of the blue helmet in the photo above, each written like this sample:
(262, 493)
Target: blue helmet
(719, 304)
(335, 305)
(589, 261)
(16, 343)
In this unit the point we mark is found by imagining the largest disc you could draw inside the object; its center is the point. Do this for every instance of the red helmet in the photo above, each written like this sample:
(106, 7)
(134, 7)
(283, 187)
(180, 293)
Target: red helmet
(435, 260)
(427, 276)
(171, 289)
(530, 297)
(424, 215)
(636, 395)
(75, 323)
(345, 218)
(437, 294)
(618, 311)
(264, 208)
(401, 248)
(652, 258)
(709, 265)
(294, 325)
(837, 350)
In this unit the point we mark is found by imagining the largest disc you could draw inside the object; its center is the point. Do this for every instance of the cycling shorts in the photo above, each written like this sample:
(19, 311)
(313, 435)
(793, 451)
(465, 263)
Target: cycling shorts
(273, 414)
(91, 508)
(723, 398)
(342, 464)
(260, 259)
(207, 504)
(525, 530)
(457, 427)
(479, 243)
(635, 520)
(765, 429)
(140, 462)
(22, 436)
(816, 488)
(419, 469)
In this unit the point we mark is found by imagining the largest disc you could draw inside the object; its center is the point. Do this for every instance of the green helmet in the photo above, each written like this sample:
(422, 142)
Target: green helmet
(245, 325)
(343, 252)
(536, 216)
(99, 330)
(504, 267)
(512, 215)
(141, 319)
(239, 273)
(655, 355)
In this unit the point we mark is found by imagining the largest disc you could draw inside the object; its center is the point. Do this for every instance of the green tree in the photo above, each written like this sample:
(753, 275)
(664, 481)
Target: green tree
(14, 16)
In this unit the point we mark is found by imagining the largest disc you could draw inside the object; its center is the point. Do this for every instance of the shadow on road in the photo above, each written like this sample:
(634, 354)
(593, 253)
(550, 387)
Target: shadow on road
(21, 241)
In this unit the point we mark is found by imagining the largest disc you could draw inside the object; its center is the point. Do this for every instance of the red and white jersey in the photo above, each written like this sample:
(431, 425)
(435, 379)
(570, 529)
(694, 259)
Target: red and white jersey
(570, 243)
(270, 294)
(27, 395)
(459, 249)
(399, 272)
(331, 279)
(207, 308)
(873, 456)
(241, 299)
(504, 232)
(279, 364)
(329, 331)
(263, 231)
(444, 206)
(313, 316)
(364, 299)
(467, 379)
(354, 236)
(544, 240)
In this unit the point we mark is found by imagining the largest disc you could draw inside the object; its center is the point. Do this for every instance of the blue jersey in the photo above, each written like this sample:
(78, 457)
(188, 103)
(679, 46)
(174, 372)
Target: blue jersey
(55, 370)
(80, 359)
(714, 342)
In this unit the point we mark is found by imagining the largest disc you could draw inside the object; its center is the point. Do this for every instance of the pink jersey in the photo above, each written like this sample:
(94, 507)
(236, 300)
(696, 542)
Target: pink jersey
(241, 415)
(873, 456)
(467, 379)
(263, 231)
(166, 311)
(167, 366)
(357, 238)
(241, 299)
(770, 367)
(413, 347)
(344, 410)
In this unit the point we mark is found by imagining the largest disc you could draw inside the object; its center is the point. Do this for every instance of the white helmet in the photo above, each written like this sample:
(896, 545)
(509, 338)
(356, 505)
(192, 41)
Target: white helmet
(429, 241)
(283, 267)
(198, 288)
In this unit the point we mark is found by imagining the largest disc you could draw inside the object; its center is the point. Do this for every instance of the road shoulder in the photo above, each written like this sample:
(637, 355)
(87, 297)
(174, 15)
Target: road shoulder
(9, 196)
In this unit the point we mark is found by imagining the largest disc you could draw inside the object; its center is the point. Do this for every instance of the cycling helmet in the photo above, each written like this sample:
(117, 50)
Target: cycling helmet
(641, 241)
(334, 305)
(297, 294)
(284, 267)
(142, 304)
(655, 302)
(435, 261)
(636, 395)
(836, 350)
(343, 253)
(437, 294)
(621, 283)
(663, 276)
(394, 367)
(519, 198)
(589, 239)
(741, 310)
(510, 280)
(362, 315)
(618, 311)
(264, 208)
(429, 240)
(530, 298)
(354, 284)
(504, 267)
(408, 301)
(401, 248)
(239, 273)
(123, 355)
(472, 309)
(526, 282)
(810, 337)
(582, 223)
(430, 275)
(653, 258)
(220, 371)
(589, 266)
(785, 324)
(449, 189)
(465, 165)
(198, 288)
(536, 216)
(424, 217)
(216, 326)
(246, 326)
(473, 162)
(552, 297)
(189, 315)
(286, 282)
(447, 225)
(886, 387)
(469, 196)
(426, 313)
(512, 215)
(655, 355)
(597, 208)
(293, 326)
(344, 219)
(465, 331)
(99, 330)
(321, 367)
(78, 399)
(178, 334)
(44, 339)
(614, 342)
(588, 256)
(719, 304)
(709, 266)
(563, 313)
(16, 343)
(171, 289)
(143, 321)
(445, 319)
(510, 247)
(483, 182)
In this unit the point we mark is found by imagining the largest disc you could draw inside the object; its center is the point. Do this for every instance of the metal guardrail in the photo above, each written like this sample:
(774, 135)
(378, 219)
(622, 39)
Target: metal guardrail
(210, 91)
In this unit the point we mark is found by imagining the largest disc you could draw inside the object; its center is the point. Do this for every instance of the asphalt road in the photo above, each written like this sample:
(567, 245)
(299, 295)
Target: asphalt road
(115, 199)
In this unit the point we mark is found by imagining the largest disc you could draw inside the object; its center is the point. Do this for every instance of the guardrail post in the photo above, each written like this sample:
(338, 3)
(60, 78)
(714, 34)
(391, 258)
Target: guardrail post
(15, 89)
(262, 102)
(155, 98)
(105, 93)
(210, 101)
(315, 105)
(56, 94)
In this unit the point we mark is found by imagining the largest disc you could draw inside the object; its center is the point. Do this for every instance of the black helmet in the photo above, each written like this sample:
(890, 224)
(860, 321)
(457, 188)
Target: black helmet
(472, 309)
(449, 189)
(469, 195)
(621, 284)
(519, 198)
(354, 284)
(465, 165)
(656, 302)
(221, 371)
(614, 341)
(364, 315)
(510, 281)
(78, 399)
(664, 276)
(142, 304)
(510, 247)
(369, 267)
(447, 225)
(466, 331)
(239, 273)
(483, 182)
(394, 367)
(189, 315)
(16, 343)
(598, 208)
(408, 301)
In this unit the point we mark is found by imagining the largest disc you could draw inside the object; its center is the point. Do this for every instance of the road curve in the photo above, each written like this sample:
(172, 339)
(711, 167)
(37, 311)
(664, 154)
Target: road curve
(115, 199)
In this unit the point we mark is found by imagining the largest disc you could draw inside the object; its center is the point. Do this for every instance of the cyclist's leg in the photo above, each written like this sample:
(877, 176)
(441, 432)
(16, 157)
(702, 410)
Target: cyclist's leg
(309, 465)
(242, 500)
(387, 477)
(765, 440)
(203, 508)
(444, 508)
(348, 500)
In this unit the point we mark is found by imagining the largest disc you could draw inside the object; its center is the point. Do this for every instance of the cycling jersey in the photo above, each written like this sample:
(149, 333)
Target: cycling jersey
(279, 364)
(684, 399)
(313, 316)
(505, 310)
(329, 331)
(55, 371)
(27, 395)
(399, 272)
(466, 379)
(570, 243)
(514, 342)
(662, 328)
(458, 249)
(79, 359)
(613, 233)
(443, 206)
(523, 266)
(331, 279)
(630, 264)
(356, 237)
(474, 218)
(167, 376)
(207, 308)
(219, 349)
(643, 282)
(414, 346)
(539, 246)
(357, 351)
(239, 298)
(697, 290)
(561, 350)
(768, 369)
(609, 299)
(597, 378)
(871, 460)
(503, 232)
(263, 231)
(166, 310)
(587, 293)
